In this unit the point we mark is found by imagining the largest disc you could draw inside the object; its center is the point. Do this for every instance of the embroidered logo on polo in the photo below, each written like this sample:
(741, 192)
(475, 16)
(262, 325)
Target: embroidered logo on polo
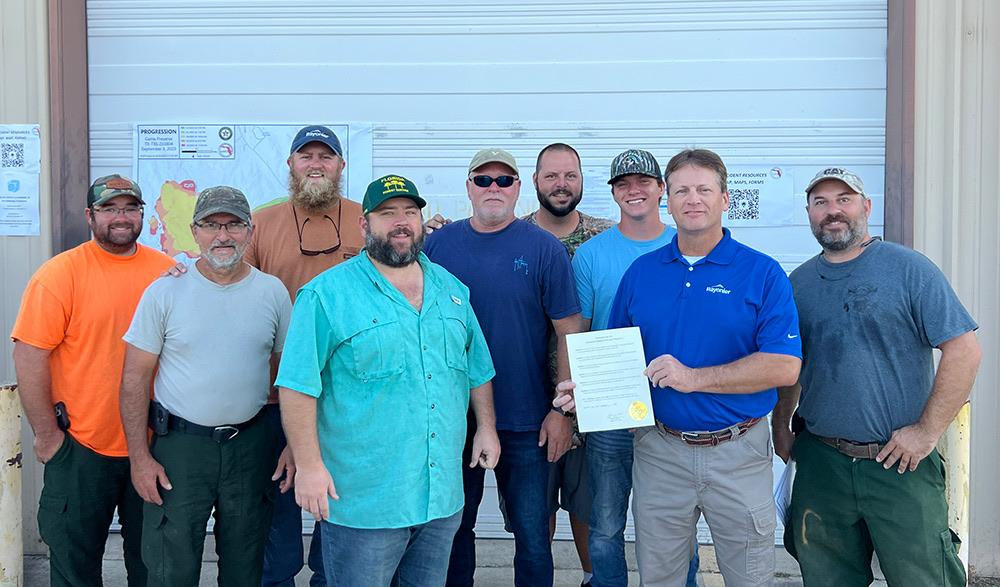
(520, 265)
(456, 300)
(718, 289)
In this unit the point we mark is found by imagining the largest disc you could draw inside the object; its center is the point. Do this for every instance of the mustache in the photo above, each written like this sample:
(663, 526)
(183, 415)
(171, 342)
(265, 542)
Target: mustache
(560, 192)
(401, 231)
(834, 218)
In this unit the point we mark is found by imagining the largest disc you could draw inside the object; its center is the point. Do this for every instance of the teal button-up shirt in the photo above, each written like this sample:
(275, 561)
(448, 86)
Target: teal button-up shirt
(393, 389)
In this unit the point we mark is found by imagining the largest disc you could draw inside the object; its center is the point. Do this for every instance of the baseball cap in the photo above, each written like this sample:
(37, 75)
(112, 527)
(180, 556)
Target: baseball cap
(388, 187)
(316, 134)
(850, 178)
(493, 155)
(221, 199)
(110, 186)
(634, 161)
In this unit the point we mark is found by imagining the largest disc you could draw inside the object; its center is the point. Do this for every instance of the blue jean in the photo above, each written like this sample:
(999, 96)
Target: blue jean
(283, 551)
(415, 556)
(609, 464)
(522, 479)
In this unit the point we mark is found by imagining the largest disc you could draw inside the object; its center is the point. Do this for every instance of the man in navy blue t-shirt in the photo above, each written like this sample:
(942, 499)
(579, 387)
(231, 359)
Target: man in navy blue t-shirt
(720, 332)
(521, 288)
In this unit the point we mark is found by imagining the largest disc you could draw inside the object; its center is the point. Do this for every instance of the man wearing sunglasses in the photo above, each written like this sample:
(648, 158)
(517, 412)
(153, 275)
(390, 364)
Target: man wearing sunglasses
(296, 240)
(68, 353)
(521, 286)
(206, 341)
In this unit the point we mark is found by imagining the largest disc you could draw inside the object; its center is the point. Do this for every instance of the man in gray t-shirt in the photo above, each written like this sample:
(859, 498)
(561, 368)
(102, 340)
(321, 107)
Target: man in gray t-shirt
(210, 337)
(872, 407)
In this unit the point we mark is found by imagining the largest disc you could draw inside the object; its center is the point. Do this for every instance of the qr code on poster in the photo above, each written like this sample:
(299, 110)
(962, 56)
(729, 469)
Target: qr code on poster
(744, 204)
(11, 154)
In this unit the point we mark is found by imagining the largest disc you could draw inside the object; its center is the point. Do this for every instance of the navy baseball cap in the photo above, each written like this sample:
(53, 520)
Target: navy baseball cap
(317, 134)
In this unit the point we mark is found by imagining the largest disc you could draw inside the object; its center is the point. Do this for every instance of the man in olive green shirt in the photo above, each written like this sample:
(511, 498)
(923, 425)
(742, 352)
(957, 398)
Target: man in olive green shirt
(382, 358)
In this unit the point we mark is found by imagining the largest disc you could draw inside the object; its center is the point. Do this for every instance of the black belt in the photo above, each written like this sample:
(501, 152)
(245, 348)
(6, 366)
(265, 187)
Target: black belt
(709, 438)
(162, 420)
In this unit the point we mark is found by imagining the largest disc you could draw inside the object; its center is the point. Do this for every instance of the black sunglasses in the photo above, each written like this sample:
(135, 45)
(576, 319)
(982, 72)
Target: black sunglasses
(301, 229)
(485, 181)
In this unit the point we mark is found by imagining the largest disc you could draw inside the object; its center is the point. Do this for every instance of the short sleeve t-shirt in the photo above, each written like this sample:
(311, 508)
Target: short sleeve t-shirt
(519, 278)
(868, 329)
(78, 305)
(732, 303)
(214, 342)
(599, 265)
(274, 246)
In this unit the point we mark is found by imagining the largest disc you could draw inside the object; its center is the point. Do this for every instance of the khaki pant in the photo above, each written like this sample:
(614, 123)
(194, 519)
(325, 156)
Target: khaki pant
(731, 484)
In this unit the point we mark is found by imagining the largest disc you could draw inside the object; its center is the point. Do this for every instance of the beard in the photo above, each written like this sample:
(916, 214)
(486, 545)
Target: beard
(559, 211)
(383, 251)
(841, 240)
(224, 263)
(117, 242)
(313, 195)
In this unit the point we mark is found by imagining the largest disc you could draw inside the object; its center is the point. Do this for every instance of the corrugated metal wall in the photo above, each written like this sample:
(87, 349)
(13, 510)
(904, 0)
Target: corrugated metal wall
(956, 214)
(799, 84)
(24, 99)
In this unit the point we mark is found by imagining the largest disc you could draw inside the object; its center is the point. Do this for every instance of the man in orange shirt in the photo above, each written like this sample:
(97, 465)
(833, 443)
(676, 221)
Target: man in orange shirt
(68, 356)
(296, 240)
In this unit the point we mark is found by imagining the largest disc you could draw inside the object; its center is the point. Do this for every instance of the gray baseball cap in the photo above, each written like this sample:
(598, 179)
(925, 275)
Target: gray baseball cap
(493, 155)
(635, 161)
(850, 178)
(221, 199)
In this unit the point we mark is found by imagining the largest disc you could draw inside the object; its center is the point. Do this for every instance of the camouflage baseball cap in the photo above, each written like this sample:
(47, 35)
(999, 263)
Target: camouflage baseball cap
(493, 155)
(221, 199)
(387, 188)
(110, 186)
(634, 161)
(850, 178)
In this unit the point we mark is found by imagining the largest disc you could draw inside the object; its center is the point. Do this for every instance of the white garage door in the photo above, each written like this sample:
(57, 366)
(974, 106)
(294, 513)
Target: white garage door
(796, 85)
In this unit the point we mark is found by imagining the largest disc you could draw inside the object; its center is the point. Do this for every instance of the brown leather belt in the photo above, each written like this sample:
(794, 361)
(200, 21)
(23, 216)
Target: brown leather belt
(709, 438)
(855, 450)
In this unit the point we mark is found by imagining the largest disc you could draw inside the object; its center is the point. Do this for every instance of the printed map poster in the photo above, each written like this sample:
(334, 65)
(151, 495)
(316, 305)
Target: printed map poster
(172, 163)
(20, 164)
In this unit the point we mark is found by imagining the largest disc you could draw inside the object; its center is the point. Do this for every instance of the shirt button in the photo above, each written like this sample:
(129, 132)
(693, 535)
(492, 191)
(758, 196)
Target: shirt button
(374, 320)
(433, 406)
(428, 375)
(425, 347)
(432, 465)
(690, 268)
(688, 284)
(434, 434)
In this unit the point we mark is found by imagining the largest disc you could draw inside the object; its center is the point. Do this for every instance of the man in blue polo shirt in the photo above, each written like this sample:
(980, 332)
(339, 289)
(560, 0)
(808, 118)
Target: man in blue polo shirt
(521, 288)
(720, 332)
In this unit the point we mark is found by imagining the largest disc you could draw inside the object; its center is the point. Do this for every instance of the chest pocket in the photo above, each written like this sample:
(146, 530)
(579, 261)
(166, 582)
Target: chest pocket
(453, 320)
(374, 354)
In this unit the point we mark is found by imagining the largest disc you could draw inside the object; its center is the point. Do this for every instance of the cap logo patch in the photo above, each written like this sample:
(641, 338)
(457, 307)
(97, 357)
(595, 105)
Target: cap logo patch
(118, 183)
(834, 171)
(316, 133)
(393, 184)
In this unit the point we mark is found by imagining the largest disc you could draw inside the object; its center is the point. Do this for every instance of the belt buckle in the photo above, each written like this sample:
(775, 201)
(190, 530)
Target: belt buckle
(690, 437)
(224, 433)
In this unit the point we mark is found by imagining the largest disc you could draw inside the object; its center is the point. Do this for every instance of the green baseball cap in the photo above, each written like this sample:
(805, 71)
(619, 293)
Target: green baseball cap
(110, 186)
(493, 155)
(387, 188)
(221, 199)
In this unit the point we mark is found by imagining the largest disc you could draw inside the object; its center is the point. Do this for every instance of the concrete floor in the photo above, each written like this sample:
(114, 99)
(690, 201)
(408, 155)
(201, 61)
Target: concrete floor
(494, 566)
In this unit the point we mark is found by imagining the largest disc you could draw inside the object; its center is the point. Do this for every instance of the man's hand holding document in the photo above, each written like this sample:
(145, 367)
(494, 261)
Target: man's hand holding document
(608, 390)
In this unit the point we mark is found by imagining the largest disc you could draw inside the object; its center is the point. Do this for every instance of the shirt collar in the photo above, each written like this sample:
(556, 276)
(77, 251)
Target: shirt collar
(722, 254)
(431, 281)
